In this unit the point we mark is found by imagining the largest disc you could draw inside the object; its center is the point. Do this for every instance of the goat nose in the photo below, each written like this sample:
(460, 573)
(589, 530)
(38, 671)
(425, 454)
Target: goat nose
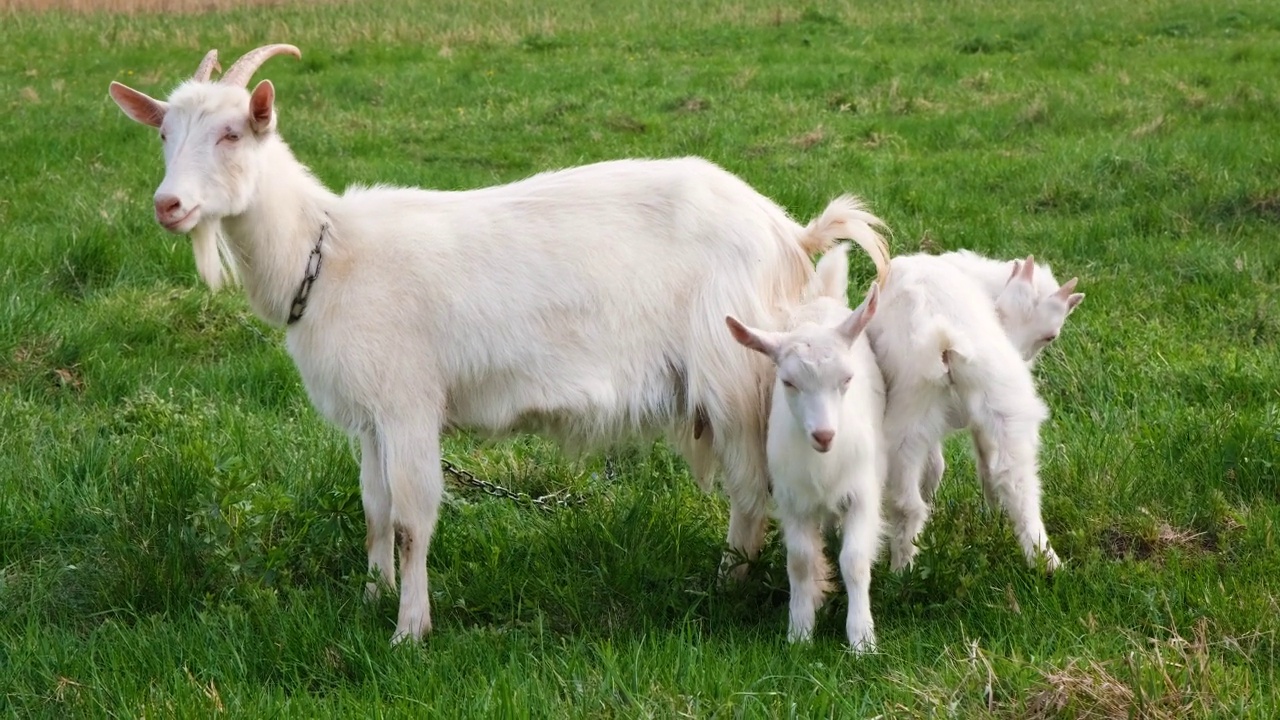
(167, 205)
(823, 438)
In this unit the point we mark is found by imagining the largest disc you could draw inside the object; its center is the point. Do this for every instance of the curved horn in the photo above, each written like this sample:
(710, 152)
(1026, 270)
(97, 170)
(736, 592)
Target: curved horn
(207, 66)
(248, 64)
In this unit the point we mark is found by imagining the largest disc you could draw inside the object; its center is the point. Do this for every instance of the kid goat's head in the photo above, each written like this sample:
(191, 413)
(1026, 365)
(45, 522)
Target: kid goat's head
(210, 131)
(1031, 312)
(815, 366)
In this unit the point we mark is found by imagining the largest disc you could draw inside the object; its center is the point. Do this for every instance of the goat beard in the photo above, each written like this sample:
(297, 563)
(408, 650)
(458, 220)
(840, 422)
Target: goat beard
(213, 259)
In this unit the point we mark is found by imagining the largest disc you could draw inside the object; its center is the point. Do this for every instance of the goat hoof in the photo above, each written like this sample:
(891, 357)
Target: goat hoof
(1051, 561)
(733, 568)
(412, 631)
(800, 635)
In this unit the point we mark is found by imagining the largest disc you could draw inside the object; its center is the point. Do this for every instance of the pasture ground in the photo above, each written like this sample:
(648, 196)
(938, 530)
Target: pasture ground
(180, 534)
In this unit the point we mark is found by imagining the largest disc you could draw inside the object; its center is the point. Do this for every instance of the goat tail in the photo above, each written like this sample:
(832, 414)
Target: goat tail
(847, 218)
(941, 346)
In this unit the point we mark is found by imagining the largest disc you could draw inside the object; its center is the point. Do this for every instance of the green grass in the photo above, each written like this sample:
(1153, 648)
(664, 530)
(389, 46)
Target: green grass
(180, 533)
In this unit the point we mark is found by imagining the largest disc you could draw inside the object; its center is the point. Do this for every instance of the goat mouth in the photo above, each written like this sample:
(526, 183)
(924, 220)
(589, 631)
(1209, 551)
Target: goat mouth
(175, 226)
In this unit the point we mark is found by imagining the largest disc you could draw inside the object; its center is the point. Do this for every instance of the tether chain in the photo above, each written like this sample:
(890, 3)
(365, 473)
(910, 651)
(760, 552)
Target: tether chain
(548, 502)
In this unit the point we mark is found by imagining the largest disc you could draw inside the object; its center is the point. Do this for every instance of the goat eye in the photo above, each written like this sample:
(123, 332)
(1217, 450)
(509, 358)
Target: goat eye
(231, 136)
(164, 138)
(787, 384)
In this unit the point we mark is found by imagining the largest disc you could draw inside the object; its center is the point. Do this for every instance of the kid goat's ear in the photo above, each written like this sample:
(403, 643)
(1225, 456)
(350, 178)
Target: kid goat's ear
(858, 319)
(138, 106)
(1028, 269)
(1066, 294)
(758, 340)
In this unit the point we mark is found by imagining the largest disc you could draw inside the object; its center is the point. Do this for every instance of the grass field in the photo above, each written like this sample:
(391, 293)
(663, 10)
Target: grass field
(180, 533)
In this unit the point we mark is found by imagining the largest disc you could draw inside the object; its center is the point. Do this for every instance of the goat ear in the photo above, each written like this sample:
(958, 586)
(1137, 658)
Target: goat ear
(1067, 288)
(1017, 265)
(1028, 269)
(756, 340)
(1073, 300)
(833, 273)
(857, 321)
(138, 106)
(262, 107)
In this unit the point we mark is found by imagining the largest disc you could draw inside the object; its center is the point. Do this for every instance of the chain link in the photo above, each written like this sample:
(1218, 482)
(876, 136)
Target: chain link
(549, 502)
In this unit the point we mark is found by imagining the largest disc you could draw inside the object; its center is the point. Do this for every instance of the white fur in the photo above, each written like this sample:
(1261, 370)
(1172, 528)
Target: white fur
(825, 447)
(1032, 312)
(584, 304)
(948, 363)
(1032, 309)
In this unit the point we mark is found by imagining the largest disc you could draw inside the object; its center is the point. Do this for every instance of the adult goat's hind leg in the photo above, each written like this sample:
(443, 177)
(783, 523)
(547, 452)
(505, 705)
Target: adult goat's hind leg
(412, 458)
(1010, 449)
(379, 533)
(746, 479)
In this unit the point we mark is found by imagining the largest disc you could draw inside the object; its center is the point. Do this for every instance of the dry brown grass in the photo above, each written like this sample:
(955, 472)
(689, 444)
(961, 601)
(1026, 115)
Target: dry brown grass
(134, 6)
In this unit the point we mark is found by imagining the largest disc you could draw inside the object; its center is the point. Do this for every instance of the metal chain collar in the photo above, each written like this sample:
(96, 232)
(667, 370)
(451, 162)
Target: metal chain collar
(548, 502)
(299, 304)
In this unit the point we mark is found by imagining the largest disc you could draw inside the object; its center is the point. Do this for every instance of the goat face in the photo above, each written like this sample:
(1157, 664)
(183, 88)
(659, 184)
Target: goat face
(815, 365)
(814, 370)
(211, 134)
(1033, 308)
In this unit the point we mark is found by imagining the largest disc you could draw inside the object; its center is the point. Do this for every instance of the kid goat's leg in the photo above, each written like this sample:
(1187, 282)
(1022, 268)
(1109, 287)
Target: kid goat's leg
(859, 545)
(934, 467)
(914, 422)
(906, 510)
(412, 448)
(1009, 448)
(379, 533)
(807, 572)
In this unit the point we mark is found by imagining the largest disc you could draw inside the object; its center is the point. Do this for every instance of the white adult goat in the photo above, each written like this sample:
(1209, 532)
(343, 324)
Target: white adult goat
(949, 363)
(826, 449)
(584, 304)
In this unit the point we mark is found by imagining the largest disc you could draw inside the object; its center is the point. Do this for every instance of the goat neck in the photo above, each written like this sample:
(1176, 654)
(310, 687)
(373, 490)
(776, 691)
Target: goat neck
(272, 238)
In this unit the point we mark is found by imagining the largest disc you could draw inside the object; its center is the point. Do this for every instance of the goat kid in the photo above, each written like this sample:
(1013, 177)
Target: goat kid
(948, 363)
(1032, 308)
(825, 445)
(583, 304)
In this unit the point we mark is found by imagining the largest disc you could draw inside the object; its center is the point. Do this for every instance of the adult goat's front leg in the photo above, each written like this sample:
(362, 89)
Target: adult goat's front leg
(412, 457)
(379, 533)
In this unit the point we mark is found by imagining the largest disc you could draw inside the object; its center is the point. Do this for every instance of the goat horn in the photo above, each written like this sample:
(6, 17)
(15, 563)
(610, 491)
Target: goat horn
(207, 66)
(248, 64)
